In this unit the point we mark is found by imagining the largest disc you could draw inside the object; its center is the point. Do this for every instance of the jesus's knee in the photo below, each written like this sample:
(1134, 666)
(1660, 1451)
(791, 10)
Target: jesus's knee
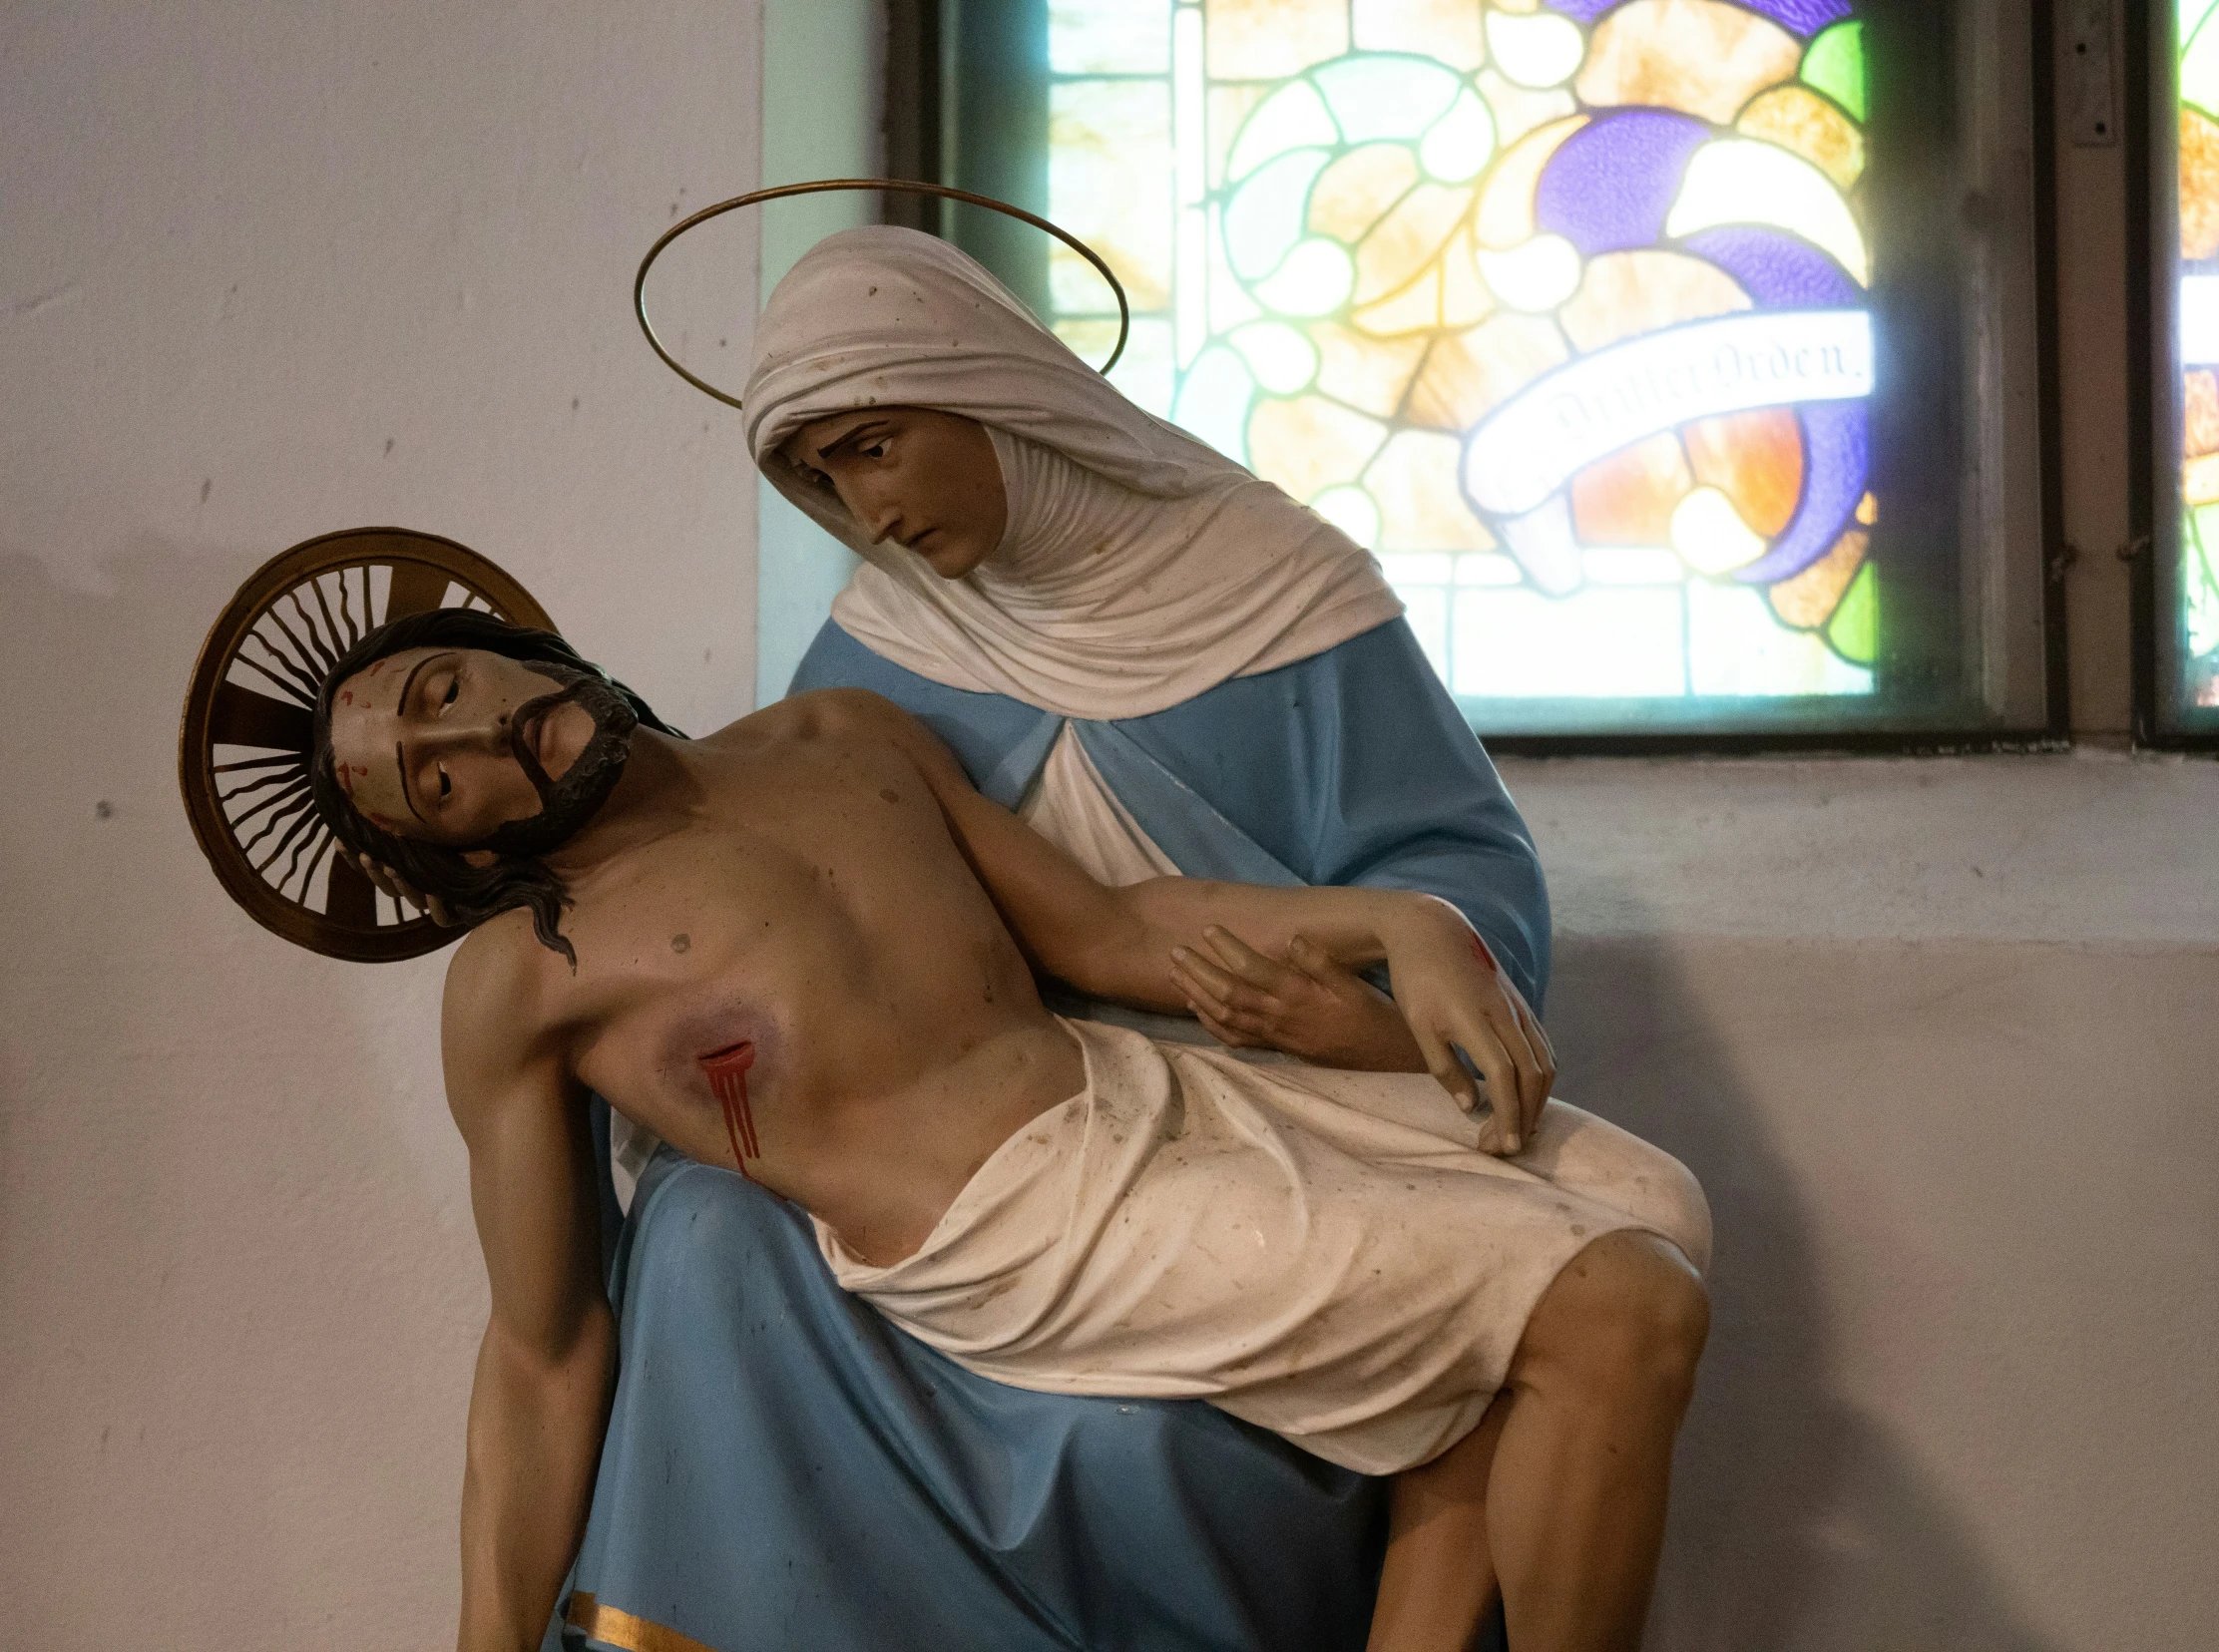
(1628, 1315)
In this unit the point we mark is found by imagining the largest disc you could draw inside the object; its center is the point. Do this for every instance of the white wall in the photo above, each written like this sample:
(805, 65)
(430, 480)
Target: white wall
(1939, 1037)
(269, 269)
(824, 74)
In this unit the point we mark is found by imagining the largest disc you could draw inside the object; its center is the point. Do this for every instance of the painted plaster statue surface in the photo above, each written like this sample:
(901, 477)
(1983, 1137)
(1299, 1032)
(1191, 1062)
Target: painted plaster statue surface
(1329, 1254)
(1171, 667)
(818, 902)
(1167, 665)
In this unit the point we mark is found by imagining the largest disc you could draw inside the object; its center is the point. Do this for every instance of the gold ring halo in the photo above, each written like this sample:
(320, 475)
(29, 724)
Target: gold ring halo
(243, 744)
(823, 186)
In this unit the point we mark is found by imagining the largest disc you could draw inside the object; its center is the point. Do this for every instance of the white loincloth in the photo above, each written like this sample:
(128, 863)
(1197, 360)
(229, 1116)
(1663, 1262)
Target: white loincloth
(1325, 1254)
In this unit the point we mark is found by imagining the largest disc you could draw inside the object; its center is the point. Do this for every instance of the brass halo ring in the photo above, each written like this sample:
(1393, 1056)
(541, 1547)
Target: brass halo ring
(823, 186)
(252, 693)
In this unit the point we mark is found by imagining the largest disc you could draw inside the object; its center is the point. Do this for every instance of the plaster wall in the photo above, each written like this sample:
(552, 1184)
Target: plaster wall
(1938, 1038)
(268, 271)
(1937, 1035)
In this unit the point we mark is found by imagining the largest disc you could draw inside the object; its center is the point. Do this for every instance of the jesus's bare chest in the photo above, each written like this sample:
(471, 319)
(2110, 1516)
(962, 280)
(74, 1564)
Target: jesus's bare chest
(813, 907)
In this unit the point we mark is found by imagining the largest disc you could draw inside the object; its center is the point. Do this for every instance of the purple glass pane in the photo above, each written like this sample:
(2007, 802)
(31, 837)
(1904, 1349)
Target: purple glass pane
(1609, 188)
(1778, 270)
(1835, 465)
(1805, 17)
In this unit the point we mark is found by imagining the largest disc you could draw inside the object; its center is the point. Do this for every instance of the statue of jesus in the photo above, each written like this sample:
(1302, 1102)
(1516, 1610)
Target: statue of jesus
(803, 947)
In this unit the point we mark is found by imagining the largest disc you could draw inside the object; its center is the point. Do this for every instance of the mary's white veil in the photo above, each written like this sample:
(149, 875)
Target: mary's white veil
(1140, 568)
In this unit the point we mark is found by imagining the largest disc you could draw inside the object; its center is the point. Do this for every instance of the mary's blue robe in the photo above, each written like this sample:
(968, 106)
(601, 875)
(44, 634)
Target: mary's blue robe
(783, 1470)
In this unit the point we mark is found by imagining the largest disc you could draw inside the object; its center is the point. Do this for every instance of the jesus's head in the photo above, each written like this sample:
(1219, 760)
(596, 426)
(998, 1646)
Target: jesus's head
(460, 752)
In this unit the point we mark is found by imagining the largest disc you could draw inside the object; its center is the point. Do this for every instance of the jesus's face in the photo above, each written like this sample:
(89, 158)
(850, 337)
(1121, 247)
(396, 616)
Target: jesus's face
(925, 479)
(421, 742)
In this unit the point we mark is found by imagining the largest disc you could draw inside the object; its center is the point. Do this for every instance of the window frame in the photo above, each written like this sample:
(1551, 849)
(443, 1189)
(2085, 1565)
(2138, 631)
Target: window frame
(927, 41)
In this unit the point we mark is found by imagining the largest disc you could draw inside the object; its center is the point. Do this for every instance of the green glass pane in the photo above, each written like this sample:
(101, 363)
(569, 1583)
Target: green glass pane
(1265, 217)
(1292, 117)
(2192, 15)
(1213, 401)
(1386, 96)
(2200, 581)
(1835, 63)
(1108, 37)
(2199, 72)
(1855, 628)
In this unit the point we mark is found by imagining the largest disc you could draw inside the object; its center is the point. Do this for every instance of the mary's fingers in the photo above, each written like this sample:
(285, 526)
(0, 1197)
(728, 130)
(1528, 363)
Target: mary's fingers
(1219, 1030)
(1225, 987)
(1308, 958)
(1320, 965)
(1203, 998)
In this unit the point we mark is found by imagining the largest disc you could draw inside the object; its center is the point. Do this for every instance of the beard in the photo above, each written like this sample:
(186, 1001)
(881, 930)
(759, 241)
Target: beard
(566, 805)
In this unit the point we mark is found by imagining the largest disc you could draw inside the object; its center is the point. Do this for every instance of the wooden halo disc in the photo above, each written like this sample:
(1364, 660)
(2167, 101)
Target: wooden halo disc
(242, 749)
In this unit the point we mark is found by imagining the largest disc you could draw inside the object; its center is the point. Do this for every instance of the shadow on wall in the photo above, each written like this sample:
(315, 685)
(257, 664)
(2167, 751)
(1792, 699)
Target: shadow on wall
(1796, 1522)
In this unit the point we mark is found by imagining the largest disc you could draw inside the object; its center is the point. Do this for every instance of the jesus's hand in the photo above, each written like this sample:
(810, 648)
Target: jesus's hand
(1453, 997)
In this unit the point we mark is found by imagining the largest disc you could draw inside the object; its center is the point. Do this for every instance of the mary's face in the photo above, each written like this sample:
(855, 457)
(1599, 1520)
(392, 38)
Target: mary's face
(925, 479)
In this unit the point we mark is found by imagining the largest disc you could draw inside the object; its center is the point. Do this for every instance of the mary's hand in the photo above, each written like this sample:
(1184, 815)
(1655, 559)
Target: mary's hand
(401, 890)
(1308, 1005)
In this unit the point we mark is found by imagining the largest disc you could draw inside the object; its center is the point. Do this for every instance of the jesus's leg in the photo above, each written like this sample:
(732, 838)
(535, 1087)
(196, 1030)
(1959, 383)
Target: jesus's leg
(1561, 1488)
(1439, 1579)
(1577, 1486)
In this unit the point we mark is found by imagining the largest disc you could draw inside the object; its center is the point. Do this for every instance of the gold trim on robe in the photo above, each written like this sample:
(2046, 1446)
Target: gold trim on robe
(613, 1627)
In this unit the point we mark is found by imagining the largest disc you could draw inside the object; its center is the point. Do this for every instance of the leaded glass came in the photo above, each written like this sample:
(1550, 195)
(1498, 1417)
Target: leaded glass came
(1560, 309)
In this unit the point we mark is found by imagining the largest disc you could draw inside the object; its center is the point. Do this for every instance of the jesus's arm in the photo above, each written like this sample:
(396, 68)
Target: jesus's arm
(1138, 943)
(540, 1398)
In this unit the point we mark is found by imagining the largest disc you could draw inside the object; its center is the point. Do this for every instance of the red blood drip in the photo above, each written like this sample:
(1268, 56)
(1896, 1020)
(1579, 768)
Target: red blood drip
(1486, 958)
(727, 1080)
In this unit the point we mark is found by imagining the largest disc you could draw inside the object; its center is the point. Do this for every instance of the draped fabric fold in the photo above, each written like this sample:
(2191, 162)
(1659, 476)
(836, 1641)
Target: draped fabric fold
(1140, 568)
(1211, 679)
(786, 1470)
(1351, 768)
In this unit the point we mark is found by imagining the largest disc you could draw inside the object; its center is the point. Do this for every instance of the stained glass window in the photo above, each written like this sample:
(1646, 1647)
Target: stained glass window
(2188, 626)
(1563, 308)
